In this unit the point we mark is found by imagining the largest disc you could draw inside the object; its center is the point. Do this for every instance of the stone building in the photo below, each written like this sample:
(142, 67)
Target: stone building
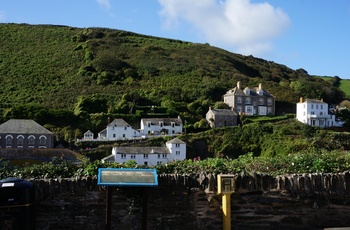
(250, 101)
(221, 117)
(25, 134)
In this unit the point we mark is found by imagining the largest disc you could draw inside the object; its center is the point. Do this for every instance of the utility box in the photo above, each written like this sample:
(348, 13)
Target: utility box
(17, 204)
(226, 183)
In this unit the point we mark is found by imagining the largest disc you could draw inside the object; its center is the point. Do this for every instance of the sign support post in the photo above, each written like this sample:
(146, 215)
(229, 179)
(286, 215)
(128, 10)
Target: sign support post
(114, 177)
(226, 186)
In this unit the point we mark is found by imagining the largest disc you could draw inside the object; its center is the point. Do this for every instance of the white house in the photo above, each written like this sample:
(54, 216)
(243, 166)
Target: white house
(175, 149)
(118, 129)
(161, 126)
(315, 113)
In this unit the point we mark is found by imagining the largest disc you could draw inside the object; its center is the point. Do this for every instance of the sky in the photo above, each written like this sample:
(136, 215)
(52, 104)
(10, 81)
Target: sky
(309, 34)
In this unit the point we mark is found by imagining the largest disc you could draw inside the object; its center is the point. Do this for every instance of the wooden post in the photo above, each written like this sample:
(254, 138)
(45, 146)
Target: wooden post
(108, 207)
(144, 208)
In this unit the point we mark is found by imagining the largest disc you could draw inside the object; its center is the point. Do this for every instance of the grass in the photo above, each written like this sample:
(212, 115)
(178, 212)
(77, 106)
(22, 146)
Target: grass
(345, 87)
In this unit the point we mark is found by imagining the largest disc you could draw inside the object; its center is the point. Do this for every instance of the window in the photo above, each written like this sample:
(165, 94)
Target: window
(177, 145)
(173, 131)
(125, 128)
(312, 106)
(261, 101)
(123, 156)
(31, 140)
(269, 101)
(161, 124)
(177, 152)
(145, 155)
(42, 141)
(159, 162)
(173, 124)
(123, 134)
(316, 106)
(9, 141)
(321, 106)
(262, 110)
(158, 155)
(20, 140)
(113, 135)
(269, 110)
(248, 100)
(321, 113)
(133, 156)
(312, 112)
(249, 109)
(239, 100)
(145, 163)
(148, 124)
(164, 155)
(321, 122)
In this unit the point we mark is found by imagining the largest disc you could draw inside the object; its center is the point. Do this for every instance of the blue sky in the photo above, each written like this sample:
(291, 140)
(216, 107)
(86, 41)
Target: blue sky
(309, 34)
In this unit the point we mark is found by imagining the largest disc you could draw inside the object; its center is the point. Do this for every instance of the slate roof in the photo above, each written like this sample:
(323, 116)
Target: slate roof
(40, 154)
(313, 101)
(23, 126)
(118, 123)
(226, 112)
(166, 121)
(142, 150)
(176, 141)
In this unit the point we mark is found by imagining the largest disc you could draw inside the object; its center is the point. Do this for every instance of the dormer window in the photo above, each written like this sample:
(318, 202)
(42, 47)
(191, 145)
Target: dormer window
(173, 124)
(148, 124)
(161, 124)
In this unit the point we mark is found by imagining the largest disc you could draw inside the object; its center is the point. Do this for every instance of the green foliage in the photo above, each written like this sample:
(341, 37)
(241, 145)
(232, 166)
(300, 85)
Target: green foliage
(58, 65)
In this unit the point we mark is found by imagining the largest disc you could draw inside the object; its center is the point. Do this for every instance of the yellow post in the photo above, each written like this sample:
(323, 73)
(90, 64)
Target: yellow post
(226, 209)
(226, 186)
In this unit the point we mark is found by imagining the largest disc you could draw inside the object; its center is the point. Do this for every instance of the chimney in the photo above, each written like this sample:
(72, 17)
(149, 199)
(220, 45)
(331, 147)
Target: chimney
(238, 85)
(209, 107)
(260, 85)
(301, 99)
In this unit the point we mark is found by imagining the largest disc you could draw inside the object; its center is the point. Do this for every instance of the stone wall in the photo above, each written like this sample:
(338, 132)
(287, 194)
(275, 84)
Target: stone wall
(307, 201)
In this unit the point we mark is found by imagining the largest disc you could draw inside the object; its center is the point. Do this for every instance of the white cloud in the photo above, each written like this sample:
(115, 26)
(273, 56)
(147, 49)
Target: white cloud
(246, 27)
(104, 3)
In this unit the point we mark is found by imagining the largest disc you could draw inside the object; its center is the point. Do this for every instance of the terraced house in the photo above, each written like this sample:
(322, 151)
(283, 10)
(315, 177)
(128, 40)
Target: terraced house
(250, 101)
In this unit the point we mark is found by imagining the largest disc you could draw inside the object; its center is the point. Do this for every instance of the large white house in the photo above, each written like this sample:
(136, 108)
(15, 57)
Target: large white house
(161, 126)
(315, 113)
(118, 129)
(175, 149)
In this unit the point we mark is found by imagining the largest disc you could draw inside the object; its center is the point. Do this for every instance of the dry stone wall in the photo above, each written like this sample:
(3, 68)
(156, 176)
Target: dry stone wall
(306, 201)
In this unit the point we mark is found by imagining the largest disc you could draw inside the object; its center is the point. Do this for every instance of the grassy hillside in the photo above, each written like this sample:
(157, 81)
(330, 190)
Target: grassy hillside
(79, 77)
(345, 87)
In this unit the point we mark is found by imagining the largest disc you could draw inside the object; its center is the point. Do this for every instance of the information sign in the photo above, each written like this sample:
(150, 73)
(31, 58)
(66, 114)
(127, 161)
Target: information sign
(127, 177)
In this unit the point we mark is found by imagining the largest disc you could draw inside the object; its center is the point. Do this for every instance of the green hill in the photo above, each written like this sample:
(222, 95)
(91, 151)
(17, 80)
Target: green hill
(49, 71)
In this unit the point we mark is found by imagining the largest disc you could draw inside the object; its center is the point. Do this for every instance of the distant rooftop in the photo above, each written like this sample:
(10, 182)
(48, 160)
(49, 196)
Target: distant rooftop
(23, 126)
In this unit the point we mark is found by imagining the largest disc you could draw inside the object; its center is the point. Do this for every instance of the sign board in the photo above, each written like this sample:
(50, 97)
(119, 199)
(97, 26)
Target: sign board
(226, 183)
(127, 177)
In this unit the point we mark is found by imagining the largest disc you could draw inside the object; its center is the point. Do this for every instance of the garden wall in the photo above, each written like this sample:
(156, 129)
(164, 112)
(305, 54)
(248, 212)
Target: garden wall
(307, 201)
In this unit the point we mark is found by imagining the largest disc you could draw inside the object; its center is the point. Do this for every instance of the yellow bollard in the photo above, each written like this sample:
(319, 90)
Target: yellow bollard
(226, 186)
(226, 209)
